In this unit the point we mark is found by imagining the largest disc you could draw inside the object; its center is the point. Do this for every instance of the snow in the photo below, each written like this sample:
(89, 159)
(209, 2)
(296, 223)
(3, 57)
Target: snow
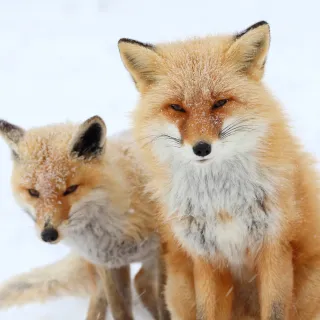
(59, 61)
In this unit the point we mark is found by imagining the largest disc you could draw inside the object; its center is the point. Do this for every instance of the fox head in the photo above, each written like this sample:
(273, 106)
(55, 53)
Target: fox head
(201, 100)
(55, 168)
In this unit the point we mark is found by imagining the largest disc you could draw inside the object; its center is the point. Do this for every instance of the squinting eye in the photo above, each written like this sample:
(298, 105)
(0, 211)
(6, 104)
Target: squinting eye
(219, 103)
(34, 193)
(71, 189)
(176, 107)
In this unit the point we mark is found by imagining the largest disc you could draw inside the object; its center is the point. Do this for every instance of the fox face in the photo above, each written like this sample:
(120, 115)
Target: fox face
(202, 100)
(55, 170)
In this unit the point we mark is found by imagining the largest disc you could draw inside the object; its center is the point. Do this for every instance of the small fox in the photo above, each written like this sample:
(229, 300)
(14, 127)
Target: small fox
(239, 194)
(90, 195)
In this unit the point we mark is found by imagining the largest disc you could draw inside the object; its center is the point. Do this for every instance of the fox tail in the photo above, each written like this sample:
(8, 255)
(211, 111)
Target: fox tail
(71, 276)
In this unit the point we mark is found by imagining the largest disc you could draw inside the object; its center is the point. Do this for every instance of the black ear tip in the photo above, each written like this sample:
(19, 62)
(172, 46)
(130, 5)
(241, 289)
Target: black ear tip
(6, 126)
(252, 27)
(138, 43)
(11, 131)
(3, 123)
(96, 120)
(260, 23)
(264, 23)
(124, 40)
(257, 25)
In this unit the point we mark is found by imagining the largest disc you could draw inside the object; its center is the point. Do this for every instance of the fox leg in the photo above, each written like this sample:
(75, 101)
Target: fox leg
(144, 283)
(149, 283)
(275, 282)
(117, 287)
(98, 305)
(162, 280)
(179, 290)
(307, 290)
(214, 291)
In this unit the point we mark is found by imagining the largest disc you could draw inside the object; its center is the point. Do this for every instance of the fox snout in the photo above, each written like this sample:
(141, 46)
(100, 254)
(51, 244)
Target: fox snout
(49, 234)
(201, 149)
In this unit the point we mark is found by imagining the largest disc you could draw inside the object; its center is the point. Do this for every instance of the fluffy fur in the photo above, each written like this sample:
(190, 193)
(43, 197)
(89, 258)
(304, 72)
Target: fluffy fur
(92, 193)
(69, 276)
(242, 222)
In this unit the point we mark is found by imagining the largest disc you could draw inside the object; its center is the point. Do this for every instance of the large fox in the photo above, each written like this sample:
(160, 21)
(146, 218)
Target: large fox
(90, 194)
(238, 192)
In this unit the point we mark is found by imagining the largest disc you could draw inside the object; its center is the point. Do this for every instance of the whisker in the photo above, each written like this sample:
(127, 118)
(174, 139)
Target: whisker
(236, 123)
(238, 128)
(236, 131)
(243, 124)
(163, 136)
(147, 137)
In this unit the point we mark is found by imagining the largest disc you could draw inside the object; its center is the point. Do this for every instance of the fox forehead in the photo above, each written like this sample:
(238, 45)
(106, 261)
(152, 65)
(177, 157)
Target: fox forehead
(48, 174)
(52, 137)
(45, 162)
(196, 70)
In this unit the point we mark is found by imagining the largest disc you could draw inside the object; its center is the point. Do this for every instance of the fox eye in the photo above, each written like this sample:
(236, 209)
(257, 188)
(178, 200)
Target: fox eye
(176, 107)
(34, 193)
(71, 189)
(219, 103)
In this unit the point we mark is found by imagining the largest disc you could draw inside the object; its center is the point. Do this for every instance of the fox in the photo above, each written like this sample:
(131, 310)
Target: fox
(88, 193)
(238, 193)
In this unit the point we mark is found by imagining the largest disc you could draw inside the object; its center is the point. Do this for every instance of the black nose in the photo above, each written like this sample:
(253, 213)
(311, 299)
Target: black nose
(49, 235)
(202, 149)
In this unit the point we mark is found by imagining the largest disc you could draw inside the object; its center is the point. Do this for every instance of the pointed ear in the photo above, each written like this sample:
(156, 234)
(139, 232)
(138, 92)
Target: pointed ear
(250, 48)
(140, 59)
(89, 141)
(12, 134)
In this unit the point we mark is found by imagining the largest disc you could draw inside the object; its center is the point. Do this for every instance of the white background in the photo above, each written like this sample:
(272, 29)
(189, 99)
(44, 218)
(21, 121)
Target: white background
(59, 61)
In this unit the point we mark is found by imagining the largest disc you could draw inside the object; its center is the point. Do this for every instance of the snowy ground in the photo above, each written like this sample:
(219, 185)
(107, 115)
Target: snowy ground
(59, 61)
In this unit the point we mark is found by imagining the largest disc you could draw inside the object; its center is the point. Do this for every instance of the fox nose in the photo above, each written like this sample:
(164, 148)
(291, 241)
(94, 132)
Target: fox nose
(49, 235)
(202, 149)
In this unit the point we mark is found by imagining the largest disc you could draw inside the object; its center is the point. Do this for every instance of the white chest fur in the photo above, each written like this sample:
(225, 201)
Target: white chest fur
(222, 208)
(99, 233)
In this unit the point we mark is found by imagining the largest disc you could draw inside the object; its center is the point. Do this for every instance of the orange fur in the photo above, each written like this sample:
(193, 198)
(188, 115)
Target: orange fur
(180, 290)
(280, 280)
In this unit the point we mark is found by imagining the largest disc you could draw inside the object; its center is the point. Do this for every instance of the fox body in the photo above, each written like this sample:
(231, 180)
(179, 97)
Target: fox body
(89, 194)
(238, 193)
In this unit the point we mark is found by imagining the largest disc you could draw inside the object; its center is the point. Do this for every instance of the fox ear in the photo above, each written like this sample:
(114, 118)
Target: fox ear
(250, 48)
(12, 134)
(89, 141)
(140, 59)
